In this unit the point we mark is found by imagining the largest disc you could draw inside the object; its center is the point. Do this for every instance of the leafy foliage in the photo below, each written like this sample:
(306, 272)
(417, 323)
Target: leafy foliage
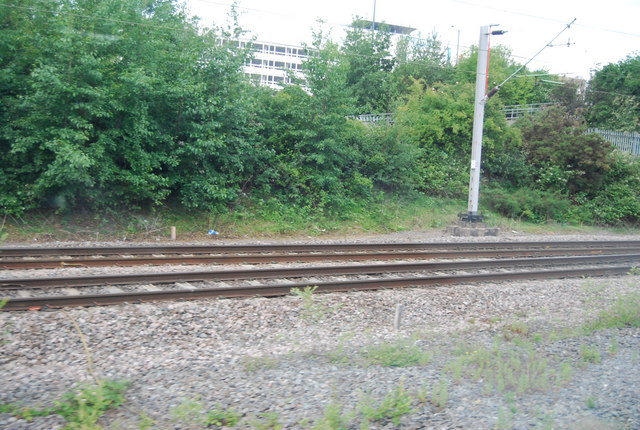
(113, 100)
(421, 59)
(613, 96)
(132, 104)
(565, 159)
(527, 204)
(369, 61)
(439, 120)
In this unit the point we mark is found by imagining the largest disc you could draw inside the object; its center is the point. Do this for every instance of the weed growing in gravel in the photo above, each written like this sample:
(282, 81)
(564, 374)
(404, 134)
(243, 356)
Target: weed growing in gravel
(253, 364)
(624, 313)
(85, 406)
(334, 418)
(192, 412)
(338, 354)
(81, 408)
(440, 394)
(189, 411)
(222, 418)
(516, 329)
(589, 354)
(313, 309)
(516, 368)
(510, 398)
(394, 405)
(267, 421)
(566, 373)
(591, 402)
(146, 422)
(545, 420)
(505, 420)
(398, 354)
(25, 412)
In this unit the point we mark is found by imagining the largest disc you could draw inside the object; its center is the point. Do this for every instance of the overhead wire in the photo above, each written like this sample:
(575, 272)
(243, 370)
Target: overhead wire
(544, 18)
(443, 67)
(150, 25)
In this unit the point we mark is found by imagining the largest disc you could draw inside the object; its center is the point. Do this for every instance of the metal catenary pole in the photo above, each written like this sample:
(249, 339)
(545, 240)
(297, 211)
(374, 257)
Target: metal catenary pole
(478, 121)
(478, 115)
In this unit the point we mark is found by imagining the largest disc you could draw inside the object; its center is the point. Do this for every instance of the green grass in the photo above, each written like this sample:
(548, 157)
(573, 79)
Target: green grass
(393, 406)
(265, 219)
(334, 418)
(589, 354)
(396, 354)
(624, 313)
(514, 367)
(81, 408)
(222, 417)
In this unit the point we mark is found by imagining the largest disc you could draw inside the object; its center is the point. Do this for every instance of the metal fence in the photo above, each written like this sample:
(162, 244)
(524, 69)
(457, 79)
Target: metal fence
(626, 142)
(374, 118)
(516, 111)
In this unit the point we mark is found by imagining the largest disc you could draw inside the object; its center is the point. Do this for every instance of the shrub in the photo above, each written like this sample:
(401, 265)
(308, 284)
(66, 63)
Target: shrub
(528, 204)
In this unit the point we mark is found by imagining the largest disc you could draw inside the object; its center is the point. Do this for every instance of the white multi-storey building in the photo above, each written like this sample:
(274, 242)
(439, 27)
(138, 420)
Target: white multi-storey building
(274, 64)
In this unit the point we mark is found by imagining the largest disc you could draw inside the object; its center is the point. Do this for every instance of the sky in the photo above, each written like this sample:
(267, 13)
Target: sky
(604, 31)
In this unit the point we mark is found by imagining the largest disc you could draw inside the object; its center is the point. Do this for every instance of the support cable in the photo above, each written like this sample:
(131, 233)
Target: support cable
(497, 87)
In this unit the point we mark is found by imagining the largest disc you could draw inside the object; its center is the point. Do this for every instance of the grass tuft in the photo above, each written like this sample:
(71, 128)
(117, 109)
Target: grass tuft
(398, 354)
(624, 313)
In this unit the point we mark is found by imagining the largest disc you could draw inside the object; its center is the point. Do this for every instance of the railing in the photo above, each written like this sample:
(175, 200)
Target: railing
(626, 142)
(374, 118)
(516, 111)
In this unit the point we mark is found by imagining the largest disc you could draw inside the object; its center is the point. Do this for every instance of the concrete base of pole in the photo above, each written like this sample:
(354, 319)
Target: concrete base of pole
(472, 229)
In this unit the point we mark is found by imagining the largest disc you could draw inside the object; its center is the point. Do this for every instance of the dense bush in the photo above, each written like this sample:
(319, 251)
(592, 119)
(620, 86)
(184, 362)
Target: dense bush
(132, 104)
(439, 120)
(528, 204)
(618, 199)
(120, 102)
(564, 158)
(613, 96)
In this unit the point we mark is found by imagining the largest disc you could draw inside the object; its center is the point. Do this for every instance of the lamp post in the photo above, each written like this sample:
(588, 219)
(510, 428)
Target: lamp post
(478, 122)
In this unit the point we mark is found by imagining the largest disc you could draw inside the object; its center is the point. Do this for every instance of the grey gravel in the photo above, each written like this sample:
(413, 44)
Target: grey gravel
(260, 356)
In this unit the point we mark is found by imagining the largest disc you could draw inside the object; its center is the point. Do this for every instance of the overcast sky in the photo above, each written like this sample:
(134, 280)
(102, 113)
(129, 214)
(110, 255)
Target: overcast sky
(604, 31)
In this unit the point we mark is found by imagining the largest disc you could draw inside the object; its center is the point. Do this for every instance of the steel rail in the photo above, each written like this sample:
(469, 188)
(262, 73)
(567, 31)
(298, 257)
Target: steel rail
(223, 249)
(35, 303)
(271, 258)
(222, 275)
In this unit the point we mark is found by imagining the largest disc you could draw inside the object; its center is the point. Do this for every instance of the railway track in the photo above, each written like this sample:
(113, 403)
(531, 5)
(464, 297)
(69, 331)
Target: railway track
(326, 247)
(601, 259)
(262, 258)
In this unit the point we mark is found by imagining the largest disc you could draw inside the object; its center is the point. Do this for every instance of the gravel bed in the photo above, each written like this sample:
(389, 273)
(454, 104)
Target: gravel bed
(293, 358)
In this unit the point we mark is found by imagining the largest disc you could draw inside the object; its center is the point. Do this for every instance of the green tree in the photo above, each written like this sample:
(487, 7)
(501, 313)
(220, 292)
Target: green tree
(524, 88)
(613, 96)
(564, 157)
(367, 54)
(314, 164)
(120, 102)
(421, 59)
(440, 119)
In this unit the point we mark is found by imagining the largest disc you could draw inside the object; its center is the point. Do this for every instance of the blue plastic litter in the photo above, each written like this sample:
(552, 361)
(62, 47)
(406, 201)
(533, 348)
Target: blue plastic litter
(212, 232)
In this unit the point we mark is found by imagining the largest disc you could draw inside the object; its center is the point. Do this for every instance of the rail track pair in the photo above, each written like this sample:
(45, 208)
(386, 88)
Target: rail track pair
(550, 259)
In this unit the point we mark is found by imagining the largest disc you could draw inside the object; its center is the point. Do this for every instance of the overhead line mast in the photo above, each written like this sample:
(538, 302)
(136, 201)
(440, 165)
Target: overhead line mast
(481, 98)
